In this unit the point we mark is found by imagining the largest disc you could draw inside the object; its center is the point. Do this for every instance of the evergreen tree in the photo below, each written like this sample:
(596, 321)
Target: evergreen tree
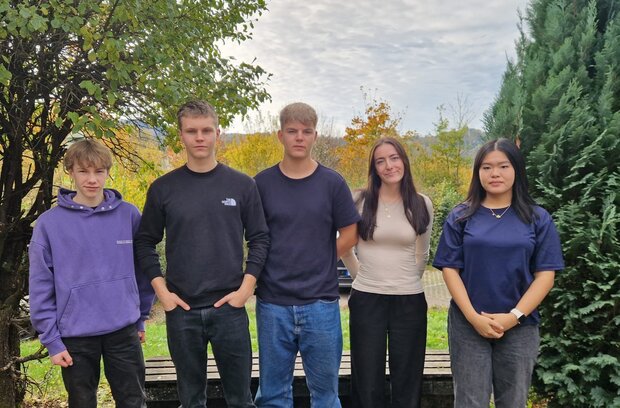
(561, 99)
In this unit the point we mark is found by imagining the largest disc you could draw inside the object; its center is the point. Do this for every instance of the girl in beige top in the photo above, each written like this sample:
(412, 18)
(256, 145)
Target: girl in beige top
(387, 304)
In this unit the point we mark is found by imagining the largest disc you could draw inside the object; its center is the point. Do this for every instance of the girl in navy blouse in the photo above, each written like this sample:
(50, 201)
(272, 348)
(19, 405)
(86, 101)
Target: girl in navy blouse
(498, 252)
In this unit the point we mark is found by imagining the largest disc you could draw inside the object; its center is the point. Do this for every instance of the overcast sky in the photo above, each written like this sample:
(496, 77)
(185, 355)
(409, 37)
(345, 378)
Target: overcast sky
(414, 54)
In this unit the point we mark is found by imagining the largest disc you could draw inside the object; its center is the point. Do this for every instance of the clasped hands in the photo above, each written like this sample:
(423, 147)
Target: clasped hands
(493, 325)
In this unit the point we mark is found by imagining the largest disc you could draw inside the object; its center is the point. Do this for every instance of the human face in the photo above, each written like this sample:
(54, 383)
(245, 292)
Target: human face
(497, 176)
(297, 140)
(388, 164)
(89, 182)
(199, 135)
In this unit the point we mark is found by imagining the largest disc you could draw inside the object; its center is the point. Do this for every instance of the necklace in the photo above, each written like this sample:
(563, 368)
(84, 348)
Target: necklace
(498, 216)
(386, 207)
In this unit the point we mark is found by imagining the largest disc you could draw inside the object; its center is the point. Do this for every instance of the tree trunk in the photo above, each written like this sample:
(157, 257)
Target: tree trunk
(12, 386)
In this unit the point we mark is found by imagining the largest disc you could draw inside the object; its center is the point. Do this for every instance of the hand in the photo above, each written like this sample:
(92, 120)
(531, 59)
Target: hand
(62, 359)
(235, 299)
(170, 301)
(506, 320)
(142, 336)
(487, 327)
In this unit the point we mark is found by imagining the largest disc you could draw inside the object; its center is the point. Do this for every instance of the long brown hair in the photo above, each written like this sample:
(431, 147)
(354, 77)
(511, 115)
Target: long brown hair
(413, 203)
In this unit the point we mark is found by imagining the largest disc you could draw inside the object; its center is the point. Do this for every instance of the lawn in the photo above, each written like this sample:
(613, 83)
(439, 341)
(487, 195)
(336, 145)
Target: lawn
(49, 381)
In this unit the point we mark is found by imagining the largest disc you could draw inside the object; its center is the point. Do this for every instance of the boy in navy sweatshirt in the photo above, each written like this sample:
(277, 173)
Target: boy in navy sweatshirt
(207, 210)
(87, 299)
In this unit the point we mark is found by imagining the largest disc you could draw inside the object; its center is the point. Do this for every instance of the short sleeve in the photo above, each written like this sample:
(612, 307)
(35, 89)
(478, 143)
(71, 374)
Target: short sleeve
(449, 253)
(344, 210)
(548, 251)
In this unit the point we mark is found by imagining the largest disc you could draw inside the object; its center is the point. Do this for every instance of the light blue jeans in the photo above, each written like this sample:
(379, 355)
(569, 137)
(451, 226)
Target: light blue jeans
(481, 366)
(314, 330)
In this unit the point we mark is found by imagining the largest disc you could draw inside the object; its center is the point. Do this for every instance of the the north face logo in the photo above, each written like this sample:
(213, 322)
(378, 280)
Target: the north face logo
(229, 202)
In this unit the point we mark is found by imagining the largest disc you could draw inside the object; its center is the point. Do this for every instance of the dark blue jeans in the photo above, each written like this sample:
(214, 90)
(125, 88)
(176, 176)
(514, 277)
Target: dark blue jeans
(227, 329)
(123, 364)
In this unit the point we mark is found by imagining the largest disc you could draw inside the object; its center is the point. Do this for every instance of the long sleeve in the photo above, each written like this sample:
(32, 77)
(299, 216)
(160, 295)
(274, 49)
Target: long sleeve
(256, 233)
(149, 234)
(423, 242)
(145, 290)
(42, 297)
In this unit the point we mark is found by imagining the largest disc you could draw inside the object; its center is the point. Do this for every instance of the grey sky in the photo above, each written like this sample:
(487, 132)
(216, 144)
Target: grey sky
(413, 54)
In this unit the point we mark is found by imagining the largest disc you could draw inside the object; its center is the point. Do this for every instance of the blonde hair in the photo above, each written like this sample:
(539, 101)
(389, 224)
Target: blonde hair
(299, 112)
(88, 152)
(194, 109)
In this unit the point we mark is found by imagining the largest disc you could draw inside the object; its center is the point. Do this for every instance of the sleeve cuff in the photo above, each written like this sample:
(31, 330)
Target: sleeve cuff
(55, 347)
(253, 269)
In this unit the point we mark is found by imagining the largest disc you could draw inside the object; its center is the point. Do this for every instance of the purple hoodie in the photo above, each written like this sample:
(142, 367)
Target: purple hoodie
(83, 280)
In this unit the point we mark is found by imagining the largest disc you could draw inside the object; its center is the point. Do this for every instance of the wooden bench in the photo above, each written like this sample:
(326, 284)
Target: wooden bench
(161, 379)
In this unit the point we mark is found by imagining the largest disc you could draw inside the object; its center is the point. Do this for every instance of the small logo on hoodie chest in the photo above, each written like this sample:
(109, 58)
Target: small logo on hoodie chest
(229, 202)
(124, 241)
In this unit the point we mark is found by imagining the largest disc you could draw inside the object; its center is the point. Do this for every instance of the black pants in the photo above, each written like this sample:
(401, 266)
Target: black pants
(226, 328)
(123, 364)
(376, 321)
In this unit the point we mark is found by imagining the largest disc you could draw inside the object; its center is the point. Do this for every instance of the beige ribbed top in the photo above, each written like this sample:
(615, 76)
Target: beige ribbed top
(392, 263)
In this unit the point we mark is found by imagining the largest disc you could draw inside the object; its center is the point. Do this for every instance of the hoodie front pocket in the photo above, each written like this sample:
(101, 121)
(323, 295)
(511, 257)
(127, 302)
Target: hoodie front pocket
(100, 307)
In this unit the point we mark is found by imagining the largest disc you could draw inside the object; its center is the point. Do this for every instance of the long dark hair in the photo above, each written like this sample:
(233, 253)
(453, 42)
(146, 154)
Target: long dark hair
(522, 202)
(415, 207)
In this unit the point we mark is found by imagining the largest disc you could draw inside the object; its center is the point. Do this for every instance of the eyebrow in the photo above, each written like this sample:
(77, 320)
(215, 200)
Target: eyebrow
(490, 163)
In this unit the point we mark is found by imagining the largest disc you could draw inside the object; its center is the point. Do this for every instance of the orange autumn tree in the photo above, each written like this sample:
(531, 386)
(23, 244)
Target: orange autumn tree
(360, 136)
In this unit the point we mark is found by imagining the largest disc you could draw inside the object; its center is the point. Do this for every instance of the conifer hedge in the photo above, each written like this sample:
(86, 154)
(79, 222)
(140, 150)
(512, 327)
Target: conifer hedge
(561, 99)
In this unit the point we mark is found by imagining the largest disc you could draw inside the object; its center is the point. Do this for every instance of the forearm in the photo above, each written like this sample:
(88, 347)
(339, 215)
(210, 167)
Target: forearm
(458, 292)
(351, 262)
(347, 238)
(247, 285)
(160, 287)
(538, 290)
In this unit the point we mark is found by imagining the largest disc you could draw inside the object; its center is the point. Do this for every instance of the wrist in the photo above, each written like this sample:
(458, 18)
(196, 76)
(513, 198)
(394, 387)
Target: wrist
(519, 315)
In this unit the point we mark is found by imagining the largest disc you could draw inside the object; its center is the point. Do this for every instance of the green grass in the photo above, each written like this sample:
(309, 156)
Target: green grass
(50, 386)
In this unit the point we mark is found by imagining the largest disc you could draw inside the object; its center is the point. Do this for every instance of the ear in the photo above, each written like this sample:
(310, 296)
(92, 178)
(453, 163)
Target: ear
(280, 136)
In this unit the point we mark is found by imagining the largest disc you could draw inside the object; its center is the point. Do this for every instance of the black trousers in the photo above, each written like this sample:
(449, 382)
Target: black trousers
(377, 323)
(123, 365)
(226, 328)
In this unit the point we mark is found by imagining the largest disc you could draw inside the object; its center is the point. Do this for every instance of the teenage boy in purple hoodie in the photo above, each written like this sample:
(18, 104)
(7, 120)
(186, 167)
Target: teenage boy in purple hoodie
(87, 299)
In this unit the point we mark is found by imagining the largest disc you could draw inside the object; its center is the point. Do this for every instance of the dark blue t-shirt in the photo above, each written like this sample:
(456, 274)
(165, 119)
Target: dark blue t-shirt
(497, 258)
(303, 216)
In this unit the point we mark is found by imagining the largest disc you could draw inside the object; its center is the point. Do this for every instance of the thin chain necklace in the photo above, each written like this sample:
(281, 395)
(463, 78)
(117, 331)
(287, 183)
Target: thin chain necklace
(386, 206)
(498, 216)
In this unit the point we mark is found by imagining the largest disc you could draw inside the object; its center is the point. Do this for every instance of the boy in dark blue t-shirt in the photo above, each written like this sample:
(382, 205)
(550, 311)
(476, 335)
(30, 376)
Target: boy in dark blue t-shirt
(297, 310)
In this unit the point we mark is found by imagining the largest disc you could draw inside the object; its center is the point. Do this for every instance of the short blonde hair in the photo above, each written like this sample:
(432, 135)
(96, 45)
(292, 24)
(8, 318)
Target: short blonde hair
(298, 112)
(196, 109)
(88, 152)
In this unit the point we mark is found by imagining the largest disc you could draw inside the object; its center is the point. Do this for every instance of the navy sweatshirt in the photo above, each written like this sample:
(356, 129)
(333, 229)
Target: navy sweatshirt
(205, 217)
